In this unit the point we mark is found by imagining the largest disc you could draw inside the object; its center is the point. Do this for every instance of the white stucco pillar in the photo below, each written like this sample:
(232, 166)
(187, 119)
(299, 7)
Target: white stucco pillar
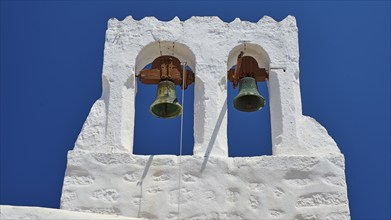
(285, 109)
(120, 110)
(210, 118)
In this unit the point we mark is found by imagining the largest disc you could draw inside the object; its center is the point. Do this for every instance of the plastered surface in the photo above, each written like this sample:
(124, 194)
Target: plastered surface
(303, 179)
(266, 187)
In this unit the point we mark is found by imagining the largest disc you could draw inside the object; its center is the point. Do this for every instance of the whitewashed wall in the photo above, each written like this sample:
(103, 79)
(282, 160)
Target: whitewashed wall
(303, 179)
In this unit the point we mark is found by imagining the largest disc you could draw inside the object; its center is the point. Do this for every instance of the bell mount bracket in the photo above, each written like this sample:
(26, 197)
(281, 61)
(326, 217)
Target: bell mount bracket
(167, 68)
(246, 66)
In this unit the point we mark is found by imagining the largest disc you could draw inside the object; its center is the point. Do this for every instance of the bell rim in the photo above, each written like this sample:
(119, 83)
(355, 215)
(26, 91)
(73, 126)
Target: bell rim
(173, 116)
(262, 102)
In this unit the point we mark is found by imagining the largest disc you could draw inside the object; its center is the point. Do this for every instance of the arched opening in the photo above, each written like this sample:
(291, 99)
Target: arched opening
(249, 132)
(154, 135)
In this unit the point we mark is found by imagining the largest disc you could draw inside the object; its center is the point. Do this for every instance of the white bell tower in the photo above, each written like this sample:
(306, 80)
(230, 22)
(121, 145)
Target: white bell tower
(303, 179)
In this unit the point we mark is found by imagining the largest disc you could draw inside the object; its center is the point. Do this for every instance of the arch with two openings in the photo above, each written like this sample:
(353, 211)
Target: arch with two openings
(168, 140)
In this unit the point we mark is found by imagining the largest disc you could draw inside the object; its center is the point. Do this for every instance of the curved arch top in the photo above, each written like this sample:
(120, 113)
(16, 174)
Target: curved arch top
(250, 49)
(155, 49)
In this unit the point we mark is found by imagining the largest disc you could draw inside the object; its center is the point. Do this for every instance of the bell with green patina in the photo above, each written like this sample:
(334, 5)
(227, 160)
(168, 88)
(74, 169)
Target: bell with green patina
(166, 103)
(248, 98)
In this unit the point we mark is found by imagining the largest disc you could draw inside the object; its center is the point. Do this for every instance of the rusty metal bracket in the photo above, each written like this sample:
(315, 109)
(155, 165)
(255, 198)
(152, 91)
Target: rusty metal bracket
(246, 66)
(166, 68)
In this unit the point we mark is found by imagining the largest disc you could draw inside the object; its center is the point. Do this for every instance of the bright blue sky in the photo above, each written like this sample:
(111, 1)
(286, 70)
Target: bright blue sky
(51, 62)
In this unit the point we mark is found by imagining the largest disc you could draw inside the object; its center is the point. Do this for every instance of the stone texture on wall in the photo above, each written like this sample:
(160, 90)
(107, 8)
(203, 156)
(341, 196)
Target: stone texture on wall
(24, 212)
(265, 187)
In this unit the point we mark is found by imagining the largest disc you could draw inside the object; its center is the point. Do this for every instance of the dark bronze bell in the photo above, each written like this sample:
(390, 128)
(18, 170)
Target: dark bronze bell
(248, 98)
(166, 104)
